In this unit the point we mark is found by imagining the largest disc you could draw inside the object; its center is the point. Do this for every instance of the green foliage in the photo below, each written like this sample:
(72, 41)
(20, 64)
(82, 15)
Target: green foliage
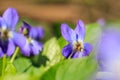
(35, 73)
(10, 69)
(71, 69)
(57, 31)
(62, 42)
(52, 51)
(3, 63)
(78, 69)
(50, 64)
(20, 62)
(18, 77)
(39, 60)
(93, 32)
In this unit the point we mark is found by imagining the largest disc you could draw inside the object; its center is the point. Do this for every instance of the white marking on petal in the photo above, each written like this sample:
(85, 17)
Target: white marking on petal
(30, 40)
(10, 34)
(4, 28)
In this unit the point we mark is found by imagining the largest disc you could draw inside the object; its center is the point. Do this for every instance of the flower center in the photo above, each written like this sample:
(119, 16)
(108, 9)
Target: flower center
(25, 31)
(29, 40)
(78, 46)
(5, 33)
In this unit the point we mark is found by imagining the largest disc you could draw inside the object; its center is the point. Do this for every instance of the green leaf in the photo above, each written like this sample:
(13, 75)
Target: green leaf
(18, 77)
(52, 51)
(93, 32)
(35, 72)
(56, 27)
(22, 64)
(10, 69)
(62, 42)
(39, 60)
(3, 63)
(72, 69)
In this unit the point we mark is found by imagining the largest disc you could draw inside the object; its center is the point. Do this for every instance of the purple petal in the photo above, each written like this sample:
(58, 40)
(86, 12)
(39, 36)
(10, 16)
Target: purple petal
(26, 25)
(109, 46)
(33, 33)
(21, 30)
(101, 22)
(77, 54)
(11, 48)
(36, 47)
(26, 49)
(87, 49)
(68, 33)
(19, 39)
(37, 32)
(2, 23)
(109, 49)
(40, 31)
(67, 51)
(4, 45)
(80, 30)
(11, 18)
(1, 52)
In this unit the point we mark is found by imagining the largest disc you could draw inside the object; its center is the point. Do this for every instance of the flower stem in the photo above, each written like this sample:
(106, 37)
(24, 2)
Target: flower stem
(14, 55)
(3, 66)
(70, 56)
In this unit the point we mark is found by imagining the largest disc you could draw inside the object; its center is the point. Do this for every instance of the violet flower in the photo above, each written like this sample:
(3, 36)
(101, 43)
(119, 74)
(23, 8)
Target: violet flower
(101, 22)
(76, 47)
(8, 37)
(32, 34)
(109, 56)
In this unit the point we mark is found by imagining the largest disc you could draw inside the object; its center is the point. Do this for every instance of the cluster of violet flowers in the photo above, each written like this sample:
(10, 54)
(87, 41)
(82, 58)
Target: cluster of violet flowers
(27, 38)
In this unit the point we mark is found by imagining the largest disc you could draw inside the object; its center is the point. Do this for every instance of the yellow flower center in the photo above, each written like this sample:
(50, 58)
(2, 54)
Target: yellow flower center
(78, 45)
(25, 31)
(5, 33)
(29, 40)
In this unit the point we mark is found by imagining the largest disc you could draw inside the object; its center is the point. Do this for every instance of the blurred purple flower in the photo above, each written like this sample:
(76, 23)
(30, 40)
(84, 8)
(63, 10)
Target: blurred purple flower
(32, 34)
(8, 37)
(109, 56)
(101, 22)
(76, 47)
